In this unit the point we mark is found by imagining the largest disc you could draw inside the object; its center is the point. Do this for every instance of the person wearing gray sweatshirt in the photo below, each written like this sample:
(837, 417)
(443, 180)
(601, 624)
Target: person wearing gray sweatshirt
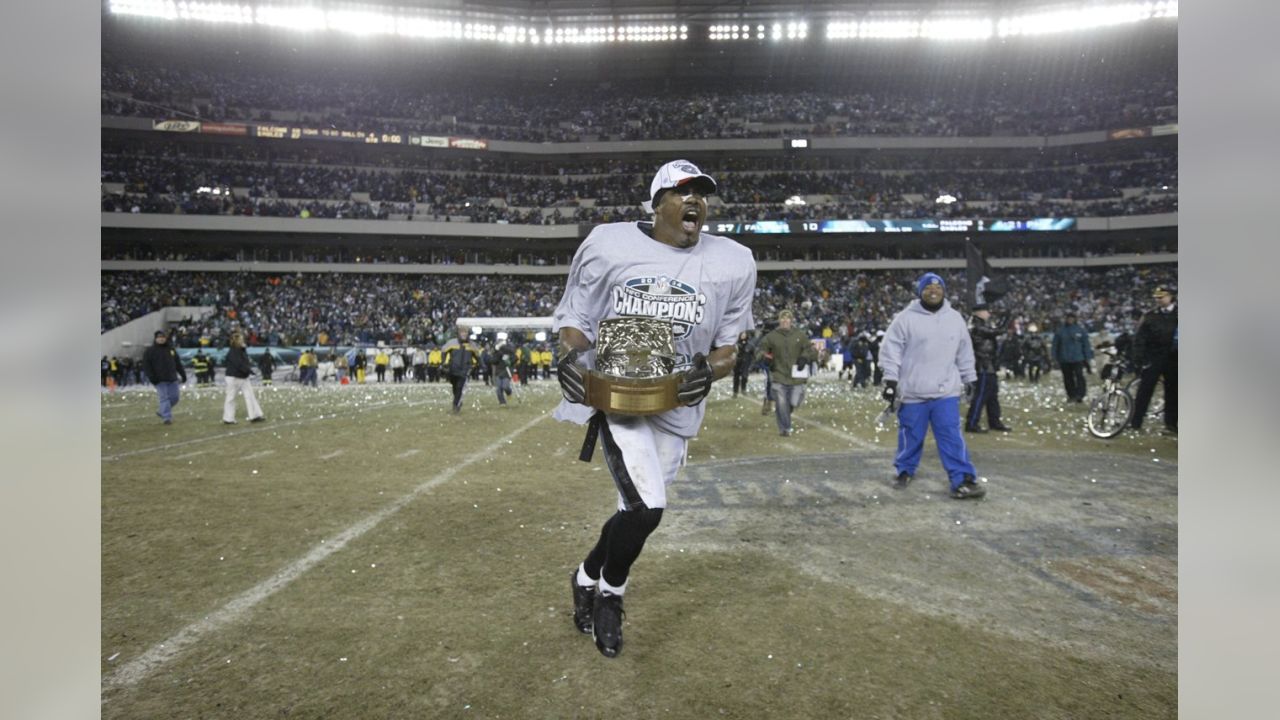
(927, 357)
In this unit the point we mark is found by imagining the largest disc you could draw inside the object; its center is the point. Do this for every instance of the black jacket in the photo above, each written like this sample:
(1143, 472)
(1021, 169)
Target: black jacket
(861, 350)
(1034, 350)
(746, 354)
(985, 336)
(238, 363)
(1153, 343)
(458, 360)
(266, 363)
(161, 364)
(502, 360)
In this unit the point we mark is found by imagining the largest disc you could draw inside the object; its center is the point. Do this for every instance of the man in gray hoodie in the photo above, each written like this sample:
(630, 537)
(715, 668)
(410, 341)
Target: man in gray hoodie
(927, 357)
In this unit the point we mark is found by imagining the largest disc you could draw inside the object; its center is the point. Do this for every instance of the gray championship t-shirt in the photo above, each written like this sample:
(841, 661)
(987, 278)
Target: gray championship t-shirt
(705, 290)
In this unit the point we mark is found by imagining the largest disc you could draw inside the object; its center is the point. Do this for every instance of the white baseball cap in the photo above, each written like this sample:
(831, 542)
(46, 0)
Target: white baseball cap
(675, 174)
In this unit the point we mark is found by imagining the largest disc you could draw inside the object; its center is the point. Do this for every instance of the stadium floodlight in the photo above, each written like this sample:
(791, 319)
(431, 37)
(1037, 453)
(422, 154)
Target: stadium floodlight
(889, 29)
(145, 8)
(291, 18)
(842, 30)
(360, 22)
(215, 12)
(418, 27)
(956, 29)
(1088, 18)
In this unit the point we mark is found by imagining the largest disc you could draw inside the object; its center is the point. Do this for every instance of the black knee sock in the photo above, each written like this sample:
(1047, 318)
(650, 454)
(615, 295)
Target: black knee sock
(595, 559)
(621, 540)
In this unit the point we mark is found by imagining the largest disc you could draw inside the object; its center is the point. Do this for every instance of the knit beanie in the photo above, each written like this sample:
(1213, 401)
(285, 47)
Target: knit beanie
(928, 279)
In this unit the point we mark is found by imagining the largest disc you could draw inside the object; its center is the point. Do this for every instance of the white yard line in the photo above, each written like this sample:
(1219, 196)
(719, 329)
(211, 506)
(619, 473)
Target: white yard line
(408, 453)
(331, 455)
(141, 667)
(255, 456)
(190, 455)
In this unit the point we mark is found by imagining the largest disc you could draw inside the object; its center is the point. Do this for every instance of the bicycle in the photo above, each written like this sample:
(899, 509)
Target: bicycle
(1111, 412)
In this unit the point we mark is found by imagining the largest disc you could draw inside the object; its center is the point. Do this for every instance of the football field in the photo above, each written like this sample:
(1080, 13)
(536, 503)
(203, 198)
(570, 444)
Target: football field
(364, 553)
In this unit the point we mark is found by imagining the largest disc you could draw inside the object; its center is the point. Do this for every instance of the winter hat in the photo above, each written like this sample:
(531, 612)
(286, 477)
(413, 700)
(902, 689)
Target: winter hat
(926, 280)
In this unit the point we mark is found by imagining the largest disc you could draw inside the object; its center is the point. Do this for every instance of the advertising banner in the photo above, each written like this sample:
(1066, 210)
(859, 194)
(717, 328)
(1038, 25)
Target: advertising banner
(468, 144)
(1128, 133)
(213, 128)
(429, 141)
(176, 125)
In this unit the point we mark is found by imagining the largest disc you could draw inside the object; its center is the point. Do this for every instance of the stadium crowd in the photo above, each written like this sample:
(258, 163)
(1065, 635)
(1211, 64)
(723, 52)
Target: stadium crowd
(165, 180)
(345, 309)
(240, 93)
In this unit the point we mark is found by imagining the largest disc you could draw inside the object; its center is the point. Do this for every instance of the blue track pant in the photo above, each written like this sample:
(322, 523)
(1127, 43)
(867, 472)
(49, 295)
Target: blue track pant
(943, 414)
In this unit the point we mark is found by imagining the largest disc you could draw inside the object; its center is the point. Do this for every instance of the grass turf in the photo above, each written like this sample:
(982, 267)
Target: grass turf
(455, 606)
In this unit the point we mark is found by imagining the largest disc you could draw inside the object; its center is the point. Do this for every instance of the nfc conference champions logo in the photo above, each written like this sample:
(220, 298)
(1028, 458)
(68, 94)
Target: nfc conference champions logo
(662, 297)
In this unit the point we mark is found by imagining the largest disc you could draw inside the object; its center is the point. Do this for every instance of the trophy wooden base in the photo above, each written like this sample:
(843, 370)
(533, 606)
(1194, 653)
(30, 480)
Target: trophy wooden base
(632, 396)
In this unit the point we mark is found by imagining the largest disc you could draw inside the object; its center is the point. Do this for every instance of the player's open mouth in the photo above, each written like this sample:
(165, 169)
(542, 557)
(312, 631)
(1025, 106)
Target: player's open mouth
(689, 221)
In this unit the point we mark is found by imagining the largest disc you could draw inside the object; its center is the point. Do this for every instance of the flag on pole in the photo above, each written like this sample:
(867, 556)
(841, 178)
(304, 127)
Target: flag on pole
(983, 283)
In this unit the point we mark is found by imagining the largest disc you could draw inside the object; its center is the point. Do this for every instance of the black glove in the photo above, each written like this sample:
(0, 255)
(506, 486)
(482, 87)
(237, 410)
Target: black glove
(1088, 368)
(890, 392)
(969, 387)
(572, 383)
(695, 382)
